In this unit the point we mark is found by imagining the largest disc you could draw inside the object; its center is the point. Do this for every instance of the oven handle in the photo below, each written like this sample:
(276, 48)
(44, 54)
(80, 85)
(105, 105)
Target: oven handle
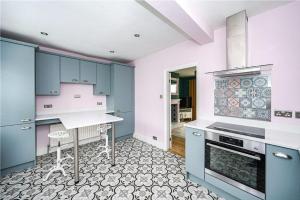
(233, 151)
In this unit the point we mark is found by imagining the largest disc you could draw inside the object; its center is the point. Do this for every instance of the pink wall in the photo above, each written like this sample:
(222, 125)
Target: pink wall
(274, 37)
(66, 102)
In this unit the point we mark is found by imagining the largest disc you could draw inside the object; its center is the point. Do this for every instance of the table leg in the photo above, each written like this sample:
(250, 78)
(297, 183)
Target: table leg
(76, 159)
(113, 144)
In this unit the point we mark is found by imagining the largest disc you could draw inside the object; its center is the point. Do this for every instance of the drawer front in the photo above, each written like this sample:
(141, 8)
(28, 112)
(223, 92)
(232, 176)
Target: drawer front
(282, 173)
(17, 145)
(194, 148)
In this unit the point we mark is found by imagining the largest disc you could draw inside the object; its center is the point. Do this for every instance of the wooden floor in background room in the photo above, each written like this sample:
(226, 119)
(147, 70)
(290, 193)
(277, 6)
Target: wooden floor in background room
(178, 145)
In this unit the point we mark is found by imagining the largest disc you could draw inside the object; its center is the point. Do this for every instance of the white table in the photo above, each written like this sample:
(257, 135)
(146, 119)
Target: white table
(77, 120)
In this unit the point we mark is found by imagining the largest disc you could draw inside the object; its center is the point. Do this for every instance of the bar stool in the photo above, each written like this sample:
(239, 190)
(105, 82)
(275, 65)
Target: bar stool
(59, 167)
(102, 129)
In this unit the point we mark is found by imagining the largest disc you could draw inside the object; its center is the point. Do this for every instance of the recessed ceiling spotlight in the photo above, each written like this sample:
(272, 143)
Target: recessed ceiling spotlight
(111, 51)
(44, 33)
(137, 35)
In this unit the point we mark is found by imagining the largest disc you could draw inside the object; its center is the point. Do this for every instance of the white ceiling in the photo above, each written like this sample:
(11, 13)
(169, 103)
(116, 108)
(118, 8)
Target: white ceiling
(89, 27)
(214, 12)
(93, 28)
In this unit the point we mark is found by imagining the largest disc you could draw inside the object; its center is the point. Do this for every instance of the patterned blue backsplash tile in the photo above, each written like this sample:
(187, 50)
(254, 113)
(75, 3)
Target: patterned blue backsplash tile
(244, 97)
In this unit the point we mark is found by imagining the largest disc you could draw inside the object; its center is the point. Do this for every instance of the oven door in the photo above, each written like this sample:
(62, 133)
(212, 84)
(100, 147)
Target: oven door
(236, 166)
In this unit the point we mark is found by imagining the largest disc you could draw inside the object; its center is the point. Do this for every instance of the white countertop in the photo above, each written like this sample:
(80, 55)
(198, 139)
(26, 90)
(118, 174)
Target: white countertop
(81, 119)
(289, 138)
(41, 117)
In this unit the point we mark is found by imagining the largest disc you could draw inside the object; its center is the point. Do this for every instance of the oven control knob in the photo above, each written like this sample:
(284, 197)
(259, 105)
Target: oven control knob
(256, 148)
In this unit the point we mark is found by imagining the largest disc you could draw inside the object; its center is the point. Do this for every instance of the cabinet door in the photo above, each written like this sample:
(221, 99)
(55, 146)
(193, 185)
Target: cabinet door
(102, 86)
(17, 144)
(123, 88)
(126, 126)
(47, 72)
(282, 173)
(17, 84)
(194, 152)
(88, 72)
(69, 70)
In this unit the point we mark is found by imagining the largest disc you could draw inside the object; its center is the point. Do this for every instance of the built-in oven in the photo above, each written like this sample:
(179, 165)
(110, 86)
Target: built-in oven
(236, 161)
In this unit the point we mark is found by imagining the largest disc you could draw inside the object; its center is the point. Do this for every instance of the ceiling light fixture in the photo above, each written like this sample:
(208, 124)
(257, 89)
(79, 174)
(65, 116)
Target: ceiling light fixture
(137, 35)
(44, 33)
(112, 51)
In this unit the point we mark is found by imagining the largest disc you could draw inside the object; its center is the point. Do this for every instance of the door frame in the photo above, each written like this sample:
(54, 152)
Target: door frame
(167, 100)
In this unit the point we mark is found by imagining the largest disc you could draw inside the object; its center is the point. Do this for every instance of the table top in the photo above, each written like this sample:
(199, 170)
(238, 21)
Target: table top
(82, 119)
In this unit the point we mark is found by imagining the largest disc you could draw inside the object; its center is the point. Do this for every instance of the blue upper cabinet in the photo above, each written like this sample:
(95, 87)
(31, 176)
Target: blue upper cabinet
(194, 152)
(47, 74)
(17, 83)
(282, 173)
(69, 70)
(122, 88)
(102, 86)
(88, 72)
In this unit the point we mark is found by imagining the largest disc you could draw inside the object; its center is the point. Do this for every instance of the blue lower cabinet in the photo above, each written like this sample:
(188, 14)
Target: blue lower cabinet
(17, 145)
(282, 173)
(126, 126)
(194, 152)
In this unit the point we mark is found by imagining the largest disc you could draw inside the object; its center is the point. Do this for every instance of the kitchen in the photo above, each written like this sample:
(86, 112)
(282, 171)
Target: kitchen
(262, 96)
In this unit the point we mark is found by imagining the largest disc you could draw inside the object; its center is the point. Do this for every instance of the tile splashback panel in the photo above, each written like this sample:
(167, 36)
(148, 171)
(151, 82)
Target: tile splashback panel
(244, 97)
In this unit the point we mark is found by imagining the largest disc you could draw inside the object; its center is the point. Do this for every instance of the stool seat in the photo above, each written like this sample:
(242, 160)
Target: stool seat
(59, 134)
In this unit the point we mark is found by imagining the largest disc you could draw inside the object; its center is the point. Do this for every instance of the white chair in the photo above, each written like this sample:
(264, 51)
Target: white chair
(59, 167)
(102, 129)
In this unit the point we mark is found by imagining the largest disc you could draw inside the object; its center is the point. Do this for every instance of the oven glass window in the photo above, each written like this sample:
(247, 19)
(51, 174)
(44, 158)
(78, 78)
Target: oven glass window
(243, 166)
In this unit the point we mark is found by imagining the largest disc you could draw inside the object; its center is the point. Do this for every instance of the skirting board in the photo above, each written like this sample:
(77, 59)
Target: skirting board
(149, 140)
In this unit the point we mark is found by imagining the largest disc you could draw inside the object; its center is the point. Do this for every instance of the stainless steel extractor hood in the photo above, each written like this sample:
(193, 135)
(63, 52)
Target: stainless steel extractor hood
(237, 48)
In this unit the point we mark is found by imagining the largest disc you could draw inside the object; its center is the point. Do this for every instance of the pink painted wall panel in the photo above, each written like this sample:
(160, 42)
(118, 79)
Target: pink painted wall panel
(66, 102)
(274, 37)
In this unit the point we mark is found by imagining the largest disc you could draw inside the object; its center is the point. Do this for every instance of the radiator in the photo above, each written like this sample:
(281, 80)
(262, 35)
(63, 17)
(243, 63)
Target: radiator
(85, 133)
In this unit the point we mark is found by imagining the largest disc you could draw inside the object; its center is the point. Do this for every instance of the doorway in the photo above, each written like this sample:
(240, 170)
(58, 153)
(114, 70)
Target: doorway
(182, 106)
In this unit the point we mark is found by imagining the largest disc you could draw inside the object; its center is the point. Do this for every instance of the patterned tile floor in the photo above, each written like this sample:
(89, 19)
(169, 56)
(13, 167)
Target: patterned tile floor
(141, 172)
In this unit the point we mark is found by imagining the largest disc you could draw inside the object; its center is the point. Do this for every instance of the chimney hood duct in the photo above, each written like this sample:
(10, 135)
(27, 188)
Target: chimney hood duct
(237, 48)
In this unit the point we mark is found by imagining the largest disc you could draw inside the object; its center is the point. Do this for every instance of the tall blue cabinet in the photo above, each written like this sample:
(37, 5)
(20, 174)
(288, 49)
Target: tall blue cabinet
(121, 98)
(17, 97)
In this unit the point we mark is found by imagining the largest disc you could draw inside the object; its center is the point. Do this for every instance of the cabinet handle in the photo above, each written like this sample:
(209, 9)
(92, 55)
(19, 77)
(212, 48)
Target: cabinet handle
(25, 120)
(25, 128)
(74, 80)
(55, 91)
(282, 155)
(197, 134)
(51, 91)
(100, 92)
(85, 81)
(118, 110)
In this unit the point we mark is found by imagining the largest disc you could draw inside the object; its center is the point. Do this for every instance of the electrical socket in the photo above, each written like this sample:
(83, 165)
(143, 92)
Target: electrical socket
(287, 114)
(154, 138)
(76, 96)
(47, 105)
(297, 114)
